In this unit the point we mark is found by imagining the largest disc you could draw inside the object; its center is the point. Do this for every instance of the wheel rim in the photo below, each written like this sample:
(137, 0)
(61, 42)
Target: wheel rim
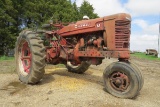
(25, 58)
(119, 81)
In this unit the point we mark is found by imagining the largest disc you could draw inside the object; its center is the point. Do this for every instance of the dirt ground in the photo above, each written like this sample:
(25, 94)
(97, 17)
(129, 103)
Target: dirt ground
(60, 88)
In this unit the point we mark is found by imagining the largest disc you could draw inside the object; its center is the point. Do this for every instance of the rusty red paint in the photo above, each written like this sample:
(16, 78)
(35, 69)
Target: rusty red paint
(26, 57)
(83, 26)
(109, 54)
(108, 36)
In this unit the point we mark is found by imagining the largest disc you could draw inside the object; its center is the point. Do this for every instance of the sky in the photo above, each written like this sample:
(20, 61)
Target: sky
(145, 19)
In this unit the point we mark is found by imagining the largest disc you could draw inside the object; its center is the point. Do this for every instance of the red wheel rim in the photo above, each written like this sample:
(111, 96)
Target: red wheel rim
(25, 58)
(119, 81)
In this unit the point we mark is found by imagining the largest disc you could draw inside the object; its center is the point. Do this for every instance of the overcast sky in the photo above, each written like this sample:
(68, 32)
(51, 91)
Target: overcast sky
(145, 19)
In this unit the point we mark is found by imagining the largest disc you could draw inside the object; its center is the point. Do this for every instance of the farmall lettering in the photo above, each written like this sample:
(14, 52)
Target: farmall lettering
(83, 25)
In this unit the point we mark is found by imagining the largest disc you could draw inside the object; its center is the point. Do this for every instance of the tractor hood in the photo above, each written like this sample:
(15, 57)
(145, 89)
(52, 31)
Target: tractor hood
(83, 26)
(92, 25)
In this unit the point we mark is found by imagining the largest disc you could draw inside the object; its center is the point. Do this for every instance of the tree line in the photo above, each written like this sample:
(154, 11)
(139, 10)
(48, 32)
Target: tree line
(16, 15)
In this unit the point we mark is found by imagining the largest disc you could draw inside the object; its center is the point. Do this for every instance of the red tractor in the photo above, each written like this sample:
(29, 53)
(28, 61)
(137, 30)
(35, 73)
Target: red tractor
(78, 45)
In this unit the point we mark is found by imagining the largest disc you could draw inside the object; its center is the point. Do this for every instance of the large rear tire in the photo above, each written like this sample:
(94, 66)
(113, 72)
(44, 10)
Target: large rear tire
(81, 68)
(122, 80)
(30, 57)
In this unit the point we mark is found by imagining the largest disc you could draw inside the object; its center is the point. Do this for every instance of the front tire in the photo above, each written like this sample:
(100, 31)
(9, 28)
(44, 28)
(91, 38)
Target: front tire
(30, 57)
(122, 80)
(141, 78)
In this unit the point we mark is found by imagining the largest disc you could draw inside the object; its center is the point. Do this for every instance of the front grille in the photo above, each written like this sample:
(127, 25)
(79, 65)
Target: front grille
(122, 33)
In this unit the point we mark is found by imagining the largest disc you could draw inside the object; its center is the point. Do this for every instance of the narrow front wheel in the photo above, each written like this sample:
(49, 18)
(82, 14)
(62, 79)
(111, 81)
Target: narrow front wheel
(122, 80)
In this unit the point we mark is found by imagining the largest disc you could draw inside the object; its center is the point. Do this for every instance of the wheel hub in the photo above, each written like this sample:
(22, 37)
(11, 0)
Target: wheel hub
(25, 58)
(119, 81)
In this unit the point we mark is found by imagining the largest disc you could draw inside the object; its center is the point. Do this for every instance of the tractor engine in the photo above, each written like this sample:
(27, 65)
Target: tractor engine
(61, 49)
(85, 43)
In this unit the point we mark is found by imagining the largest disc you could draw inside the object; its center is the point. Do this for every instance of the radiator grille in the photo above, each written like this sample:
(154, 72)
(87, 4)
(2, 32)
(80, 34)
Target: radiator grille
(122, 33)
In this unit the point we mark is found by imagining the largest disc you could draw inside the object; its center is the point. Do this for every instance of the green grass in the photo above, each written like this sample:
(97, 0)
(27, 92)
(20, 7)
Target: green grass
(144, 56)
(2, 58)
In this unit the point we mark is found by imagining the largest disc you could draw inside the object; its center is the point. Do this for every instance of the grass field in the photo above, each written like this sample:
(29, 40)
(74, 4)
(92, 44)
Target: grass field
(144, 56)
(6, 58)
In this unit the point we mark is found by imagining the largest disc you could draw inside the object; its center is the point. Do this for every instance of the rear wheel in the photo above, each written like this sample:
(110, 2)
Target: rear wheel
(81, 68)
(30, 57)
(122, 80)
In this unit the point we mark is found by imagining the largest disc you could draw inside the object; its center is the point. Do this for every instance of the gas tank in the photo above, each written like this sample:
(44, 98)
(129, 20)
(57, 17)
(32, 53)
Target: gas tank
(83, 26)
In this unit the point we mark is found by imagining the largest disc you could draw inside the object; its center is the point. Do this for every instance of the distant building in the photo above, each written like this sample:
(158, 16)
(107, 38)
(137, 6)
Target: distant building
(151, 52)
